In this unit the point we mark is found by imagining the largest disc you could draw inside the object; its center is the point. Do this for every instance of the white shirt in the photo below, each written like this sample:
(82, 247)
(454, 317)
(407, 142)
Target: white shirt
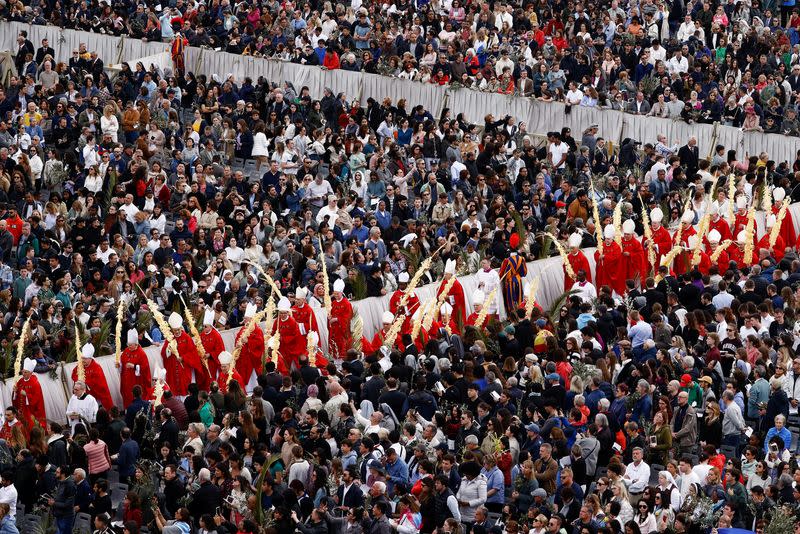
(556, 151)
(332, 213)
(586, 292)
(574, 97)
(685, 482)
(86, 408)
(130, 211)
(721, 300)
(678, 65)
(638, 476)
(490, 280)
(8, 495)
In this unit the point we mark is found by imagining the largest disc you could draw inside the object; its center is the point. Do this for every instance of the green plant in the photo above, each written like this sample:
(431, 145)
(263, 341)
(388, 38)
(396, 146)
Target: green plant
(359, 285)
(558, 303)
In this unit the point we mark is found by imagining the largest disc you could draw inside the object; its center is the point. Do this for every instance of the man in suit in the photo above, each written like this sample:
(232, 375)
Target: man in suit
(639, 106)
(525, 84)
(690, 157)
(24, 47)
(380, 522)
(44, 50)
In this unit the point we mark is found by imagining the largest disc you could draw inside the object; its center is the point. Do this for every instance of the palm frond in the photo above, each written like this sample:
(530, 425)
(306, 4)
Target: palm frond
(144, 321)
(71, 355)
(547, 247)
(519, 227)
(556, 305)
(359, 285)
(412, 258)
(101, 340)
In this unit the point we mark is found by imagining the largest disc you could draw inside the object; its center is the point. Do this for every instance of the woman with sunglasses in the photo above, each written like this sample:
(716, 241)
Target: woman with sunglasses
(644, 517)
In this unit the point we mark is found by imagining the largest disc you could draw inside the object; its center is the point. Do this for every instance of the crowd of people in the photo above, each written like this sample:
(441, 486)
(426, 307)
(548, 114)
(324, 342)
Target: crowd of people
(159, 208)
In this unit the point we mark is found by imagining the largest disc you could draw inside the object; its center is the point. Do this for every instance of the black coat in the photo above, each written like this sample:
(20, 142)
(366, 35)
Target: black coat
(206, 498)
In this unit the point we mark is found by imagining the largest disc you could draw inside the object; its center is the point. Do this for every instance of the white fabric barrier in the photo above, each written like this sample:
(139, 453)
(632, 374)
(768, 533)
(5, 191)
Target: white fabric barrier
(161, 60)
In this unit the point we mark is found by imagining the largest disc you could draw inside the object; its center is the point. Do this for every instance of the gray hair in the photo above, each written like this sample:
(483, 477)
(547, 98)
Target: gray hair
(380, 486)
(604, 404)
(601, 420)
(204, 475)
(643, 384)
(80, 472)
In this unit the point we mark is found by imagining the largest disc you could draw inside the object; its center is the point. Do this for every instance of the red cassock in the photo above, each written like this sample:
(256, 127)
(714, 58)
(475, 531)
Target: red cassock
(179, 373)
(787, 227)
(377, 341)
(610, 269)
(705, 262)
(778, 251)
(634, 259)
(473, 317)
(456, 299)
(721, 226)
(30, 406)
(129, 377)
(213, 345)
(95, 379)
(681, 264)
(306, 320)
(663, 243)
(722, 261)
(737, 254)
(222, 380)
(293, 343)
(408, 310)
(340, 337)
(320, 361)
(7, 433)
(251, 353)
(578, 261)
(437, 329)
(740, 223)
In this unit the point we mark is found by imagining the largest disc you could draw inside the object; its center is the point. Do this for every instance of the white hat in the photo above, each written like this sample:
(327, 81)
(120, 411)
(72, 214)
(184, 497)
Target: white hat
(87, 351)
(284, 305)
(313, 337)
(161, 374)
(628, 227)
(300, 293)
(208, 317)
(387, 317)
(741, 202)
(656, 215)
(250, 310)
(714, 236)
(609, 232)
(692, 241)
(713, 208)
(742, 237)
(338, 285)
(175, 321)
(687, 217)
(403, 278)
(779, 193)
(225, 357)
(133, 337)
(771, 220)
(478, 297)
(450, 267)
(152, 268)
(575, 240)
(29, 365)
(446, 308)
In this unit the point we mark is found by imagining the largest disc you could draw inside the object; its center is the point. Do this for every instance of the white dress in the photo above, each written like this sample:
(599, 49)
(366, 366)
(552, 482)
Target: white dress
(260, 145)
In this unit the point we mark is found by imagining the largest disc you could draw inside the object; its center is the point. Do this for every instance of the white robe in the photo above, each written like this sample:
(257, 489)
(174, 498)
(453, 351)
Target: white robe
(490, 280)
(86, 408)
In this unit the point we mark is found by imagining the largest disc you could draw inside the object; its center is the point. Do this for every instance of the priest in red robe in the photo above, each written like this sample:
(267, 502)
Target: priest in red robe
(682, 262)
(455, 297)
(134, 368)
(703, 262)
(779, 250)
(736, 252)
(377, 340)
(95, 378)
(577, 259)
(28, 399)
(477, 305)
(447, 320)
(723, 259)
(180, 366)
(741, 215)
(225, 361)
(662, 240)
(787, 227)
(13, 430)
(340, 337)
(633, 254)
(408, 308)
(609, 267)
(316, 357)
(248, 364)
(303, 313)
(292, 342)
(212, 342)
(718, 223)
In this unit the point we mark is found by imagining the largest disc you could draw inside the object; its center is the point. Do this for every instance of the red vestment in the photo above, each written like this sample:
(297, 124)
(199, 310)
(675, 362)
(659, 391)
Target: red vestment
(437, 329)
(787, 226)
(128, 377)
(222, 380)
(610, 269)
(30, 406)
(740, 223)
(578, 261)
(681, 264)
(306, 320)
(778, 251)
(293, 343)
(320, 361)
(95, 380)
(705, 262)
(213, 345)
(377, 341)
(408, 309)
(735, 253)
(721, 226)
(6, 431)
(250, 355)
(340, 337)
(634, 259)
(179, 373)
(456, 299)
(663, 244)
(722, 261)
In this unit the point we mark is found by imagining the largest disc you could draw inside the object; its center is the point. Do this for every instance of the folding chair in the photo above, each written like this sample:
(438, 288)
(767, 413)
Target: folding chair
(83, 523)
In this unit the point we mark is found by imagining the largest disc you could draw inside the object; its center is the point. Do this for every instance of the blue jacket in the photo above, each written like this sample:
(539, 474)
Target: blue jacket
(643, 409)
(7, 526)
(396, 473)
(783, 433)
(128, 456)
